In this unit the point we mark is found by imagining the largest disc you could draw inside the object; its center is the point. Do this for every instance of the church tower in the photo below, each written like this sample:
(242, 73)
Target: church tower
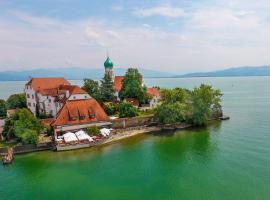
(108, 65)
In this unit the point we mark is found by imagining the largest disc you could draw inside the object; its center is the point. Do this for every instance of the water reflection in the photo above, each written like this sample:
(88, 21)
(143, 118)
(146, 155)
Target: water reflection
(194, 143)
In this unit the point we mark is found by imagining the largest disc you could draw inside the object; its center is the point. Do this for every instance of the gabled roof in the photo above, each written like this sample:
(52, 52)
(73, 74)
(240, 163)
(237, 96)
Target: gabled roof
(153, 92)
(46, 83)
(80, 112)
(117, 84)
(73, 89)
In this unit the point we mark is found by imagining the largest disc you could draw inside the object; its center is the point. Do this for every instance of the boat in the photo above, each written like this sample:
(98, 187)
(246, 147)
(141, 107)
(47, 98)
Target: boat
(8, 158)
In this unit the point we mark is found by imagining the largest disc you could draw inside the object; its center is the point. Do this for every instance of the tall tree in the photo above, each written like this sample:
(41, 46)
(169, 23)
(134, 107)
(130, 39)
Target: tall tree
(16, 101)
(106, 88)
(93, 89)
(204, 98)
(3, 108)
(132, 86)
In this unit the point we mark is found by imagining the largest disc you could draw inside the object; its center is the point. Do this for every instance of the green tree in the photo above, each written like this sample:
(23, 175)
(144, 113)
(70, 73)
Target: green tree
(175, 95)
(29, 136)
(16, 101)
(8, 131)
(203, 98)
(23, 125)
(132, 86)
(106, 88)
(127, 110)
(3, 108)
(93, 89)
(170, 113)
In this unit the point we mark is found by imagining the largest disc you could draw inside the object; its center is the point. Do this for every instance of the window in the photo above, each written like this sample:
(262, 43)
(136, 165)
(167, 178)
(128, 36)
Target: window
(29, 104)
(50, 100)
(28, 96)
(34, 104)
(74, 97)
(85, 96)
(33, 96)
(51, 112)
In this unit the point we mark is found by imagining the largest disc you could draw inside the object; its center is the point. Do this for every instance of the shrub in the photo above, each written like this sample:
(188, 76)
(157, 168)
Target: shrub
(127, 110)
(92, 130)
(111, 108)
(29, 136)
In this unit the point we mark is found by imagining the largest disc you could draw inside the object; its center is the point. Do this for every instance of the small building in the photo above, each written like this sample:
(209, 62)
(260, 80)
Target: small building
(154, 96)
(77, 114)
(117, 85)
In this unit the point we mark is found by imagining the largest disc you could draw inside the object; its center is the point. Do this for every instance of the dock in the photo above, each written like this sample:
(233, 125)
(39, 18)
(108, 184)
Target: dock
(224, 117)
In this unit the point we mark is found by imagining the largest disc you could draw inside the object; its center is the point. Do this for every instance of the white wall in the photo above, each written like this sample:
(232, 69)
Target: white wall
(30, 99)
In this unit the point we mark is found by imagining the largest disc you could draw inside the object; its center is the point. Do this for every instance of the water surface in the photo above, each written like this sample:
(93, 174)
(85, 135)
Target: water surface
(226, 160)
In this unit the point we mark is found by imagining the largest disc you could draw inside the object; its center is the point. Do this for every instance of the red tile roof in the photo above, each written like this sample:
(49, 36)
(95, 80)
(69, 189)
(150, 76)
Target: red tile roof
(80, 112)
(46, 83)
(117, 85)
(73, 89)
(153, 92)
(61, 89)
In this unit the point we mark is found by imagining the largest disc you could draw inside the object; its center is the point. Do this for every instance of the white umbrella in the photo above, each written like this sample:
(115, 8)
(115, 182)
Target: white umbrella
(105, 131)
(81, 135)
(70, 137)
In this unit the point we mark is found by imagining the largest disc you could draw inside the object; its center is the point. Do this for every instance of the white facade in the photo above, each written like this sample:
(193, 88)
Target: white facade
(154, 101)
(48, 104)
(31, 99)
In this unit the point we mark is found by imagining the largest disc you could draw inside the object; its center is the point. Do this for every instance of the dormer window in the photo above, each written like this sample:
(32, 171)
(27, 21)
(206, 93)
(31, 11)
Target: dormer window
(91, 114)
(74, 97)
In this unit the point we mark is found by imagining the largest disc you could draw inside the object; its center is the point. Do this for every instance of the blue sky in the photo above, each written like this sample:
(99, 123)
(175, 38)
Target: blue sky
(180, 36)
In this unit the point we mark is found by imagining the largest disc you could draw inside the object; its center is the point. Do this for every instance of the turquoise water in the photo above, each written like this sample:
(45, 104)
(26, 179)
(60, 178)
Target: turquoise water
(227, 160)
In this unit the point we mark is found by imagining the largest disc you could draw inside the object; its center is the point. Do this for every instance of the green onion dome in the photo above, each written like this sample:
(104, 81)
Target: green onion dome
(108, 63)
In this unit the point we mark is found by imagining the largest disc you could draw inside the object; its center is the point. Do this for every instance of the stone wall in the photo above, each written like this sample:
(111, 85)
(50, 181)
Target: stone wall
(132, 122)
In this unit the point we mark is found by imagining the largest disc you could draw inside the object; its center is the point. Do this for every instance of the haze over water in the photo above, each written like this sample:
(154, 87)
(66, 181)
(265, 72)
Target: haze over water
(227, 160)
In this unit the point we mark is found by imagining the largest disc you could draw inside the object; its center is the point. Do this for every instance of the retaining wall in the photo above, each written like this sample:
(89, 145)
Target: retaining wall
(132, 122)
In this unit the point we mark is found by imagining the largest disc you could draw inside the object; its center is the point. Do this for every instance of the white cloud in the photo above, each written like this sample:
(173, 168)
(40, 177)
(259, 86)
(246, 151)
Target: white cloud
(166, 10)
(209, 37)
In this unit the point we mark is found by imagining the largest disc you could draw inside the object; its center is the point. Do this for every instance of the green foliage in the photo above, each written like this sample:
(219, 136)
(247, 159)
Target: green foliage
(23, 125)
(106, 88)
(127, 110)
(170, 113)
(132, 86)
(175, 95)
(29, 136)
(8, 131)
(16, 101)
(3, 108)
(111, 108)
(93, 89)
(92, 130)
(203, 99)
(194, 106)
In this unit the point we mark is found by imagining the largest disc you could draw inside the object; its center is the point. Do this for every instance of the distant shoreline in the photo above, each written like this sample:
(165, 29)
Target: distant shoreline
(174, 77)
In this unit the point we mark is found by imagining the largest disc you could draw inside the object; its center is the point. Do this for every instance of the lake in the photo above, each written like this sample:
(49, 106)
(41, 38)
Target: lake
(226, 160)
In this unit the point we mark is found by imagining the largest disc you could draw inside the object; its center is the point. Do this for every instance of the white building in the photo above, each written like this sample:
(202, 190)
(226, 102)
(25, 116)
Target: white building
(48, 95)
